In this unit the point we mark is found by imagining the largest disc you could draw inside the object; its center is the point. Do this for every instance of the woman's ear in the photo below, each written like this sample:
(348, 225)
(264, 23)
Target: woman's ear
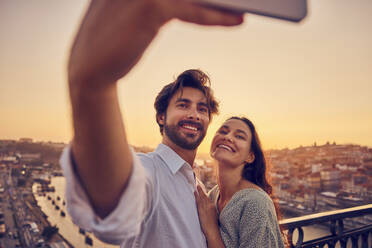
(250, 158)
(160, 119)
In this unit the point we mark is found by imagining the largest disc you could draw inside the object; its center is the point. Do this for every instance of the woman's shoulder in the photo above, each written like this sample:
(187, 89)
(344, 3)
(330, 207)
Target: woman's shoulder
(255, 193)
(252, 199)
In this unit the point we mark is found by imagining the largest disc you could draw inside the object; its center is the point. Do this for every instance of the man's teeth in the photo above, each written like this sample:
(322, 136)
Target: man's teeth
(190, 127)
(225, 147)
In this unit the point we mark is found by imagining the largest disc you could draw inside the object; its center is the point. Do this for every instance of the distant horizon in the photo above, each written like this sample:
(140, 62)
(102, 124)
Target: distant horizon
(152, 147)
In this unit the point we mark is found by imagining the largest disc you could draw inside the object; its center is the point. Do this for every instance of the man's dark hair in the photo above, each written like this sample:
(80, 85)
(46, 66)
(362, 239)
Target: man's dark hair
(191, 78)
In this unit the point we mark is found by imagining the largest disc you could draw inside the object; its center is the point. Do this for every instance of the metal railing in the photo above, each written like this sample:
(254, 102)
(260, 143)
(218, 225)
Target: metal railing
(354, 237)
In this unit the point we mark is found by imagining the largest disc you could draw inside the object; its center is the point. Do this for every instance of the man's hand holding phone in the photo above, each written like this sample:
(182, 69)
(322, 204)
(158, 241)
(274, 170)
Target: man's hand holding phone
(290, 10)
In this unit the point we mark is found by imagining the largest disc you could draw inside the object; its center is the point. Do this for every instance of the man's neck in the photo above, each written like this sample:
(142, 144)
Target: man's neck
(187, 155)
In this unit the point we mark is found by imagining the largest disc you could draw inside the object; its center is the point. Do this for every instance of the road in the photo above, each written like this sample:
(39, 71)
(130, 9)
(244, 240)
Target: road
(10, 238)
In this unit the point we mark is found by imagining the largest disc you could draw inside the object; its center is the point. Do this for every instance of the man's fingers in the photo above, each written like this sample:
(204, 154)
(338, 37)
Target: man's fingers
(202, 195)
(188, 12)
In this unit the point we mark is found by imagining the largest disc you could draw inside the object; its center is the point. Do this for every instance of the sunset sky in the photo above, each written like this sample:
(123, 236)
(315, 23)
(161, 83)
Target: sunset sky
(299, 83)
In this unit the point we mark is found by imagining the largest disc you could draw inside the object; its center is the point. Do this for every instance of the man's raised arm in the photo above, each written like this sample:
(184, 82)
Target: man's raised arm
(111, 39)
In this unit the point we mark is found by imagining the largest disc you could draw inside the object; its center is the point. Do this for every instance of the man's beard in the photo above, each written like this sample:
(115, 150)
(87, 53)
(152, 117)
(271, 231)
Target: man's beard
(173, 133)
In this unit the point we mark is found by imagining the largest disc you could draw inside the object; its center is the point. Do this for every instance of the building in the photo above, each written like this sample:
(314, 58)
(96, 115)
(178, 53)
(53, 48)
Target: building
(29, 157)
(26, 140)
(331, 180)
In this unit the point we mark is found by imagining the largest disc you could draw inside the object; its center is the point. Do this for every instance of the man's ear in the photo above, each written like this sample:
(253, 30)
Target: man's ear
(160, 119)
(250, 158)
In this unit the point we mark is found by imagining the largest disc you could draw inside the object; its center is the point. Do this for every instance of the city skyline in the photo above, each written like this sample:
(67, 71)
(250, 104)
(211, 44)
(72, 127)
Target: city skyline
(299, 83)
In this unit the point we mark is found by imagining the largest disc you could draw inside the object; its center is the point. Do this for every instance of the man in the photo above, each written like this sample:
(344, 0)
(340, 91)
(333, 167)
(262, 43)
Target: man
(145, 200)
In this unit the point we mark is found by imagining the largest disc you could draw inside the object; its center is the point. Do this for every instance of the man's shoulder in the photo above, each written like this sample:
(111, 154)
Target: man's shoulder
(151, 161)
(148, 155)
(147, 159)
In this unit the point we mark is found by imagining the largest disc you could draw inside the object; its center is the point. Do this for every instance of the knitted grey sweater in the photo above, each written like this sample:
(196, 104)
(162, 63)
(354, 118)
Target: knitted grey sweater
(248, 220)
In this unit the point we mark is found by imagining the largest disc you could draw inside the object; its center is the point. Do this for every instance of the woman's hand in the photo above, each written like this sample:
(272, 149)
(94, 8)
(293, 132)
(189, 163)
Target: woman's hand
(208, 219)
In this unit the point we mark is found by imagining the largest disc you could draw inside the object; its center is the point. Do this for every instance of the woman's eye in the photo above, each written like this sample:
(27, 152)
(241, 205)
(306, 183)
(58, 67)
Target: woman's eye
(240, 137)
(182, 105)
(222, 132)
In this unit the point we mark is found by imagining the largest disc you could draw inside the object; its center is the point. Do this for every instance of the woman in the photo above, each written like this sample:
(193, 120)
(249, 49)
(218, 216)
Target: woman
(239, 211)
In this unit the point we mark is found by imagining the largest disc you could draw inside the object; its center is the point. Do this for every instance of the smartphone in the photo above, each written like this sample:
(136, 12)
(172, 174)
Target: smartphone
(290, 10)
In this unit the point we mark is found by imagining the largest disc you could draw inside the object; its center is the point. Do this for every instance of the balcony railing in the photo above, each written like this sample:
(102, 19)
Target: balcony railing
(354, 237)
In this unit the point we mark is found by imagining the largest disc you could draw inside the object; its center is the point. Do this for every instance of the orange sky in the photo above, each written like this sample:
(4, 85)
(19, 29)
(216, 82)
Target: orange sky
(299, 83)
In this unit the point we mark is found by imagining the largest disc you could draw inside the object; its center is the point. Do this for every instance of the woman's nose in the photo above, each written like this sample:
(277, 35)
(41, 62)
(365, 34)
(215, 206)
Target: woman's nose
(228, 137)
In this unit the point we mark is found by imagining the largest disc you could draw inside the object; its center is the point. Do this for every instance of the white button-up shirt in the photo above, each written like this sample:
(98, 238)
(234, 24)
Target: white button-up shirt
(156, 210)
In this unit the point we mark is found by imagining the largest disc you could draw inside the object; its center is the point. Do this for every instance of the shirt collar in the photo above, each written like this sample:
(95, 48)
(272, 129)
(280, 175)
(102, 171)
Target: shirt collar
(170, 157)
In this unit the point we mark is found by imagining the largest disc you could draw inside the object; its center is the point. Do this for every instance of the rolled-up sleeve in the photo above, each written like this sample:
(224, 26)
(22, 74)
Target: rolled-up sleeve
(123, 224)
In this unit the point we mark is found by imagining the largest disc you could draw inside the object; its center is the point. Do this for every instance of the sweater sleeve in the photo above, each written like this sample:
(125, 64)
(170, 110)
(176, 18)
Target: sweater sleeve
(258, 222)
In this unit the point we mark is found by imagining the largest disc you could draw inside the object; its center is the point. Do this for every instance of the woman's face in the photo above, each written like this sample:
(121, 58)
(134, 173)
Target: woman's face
(232, 143)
